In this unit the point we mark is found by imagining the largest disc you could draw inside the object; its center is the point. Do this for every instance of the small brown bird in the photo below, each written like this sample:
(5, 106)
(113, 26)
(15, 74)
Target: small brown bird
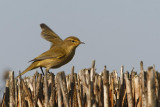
(60, 53)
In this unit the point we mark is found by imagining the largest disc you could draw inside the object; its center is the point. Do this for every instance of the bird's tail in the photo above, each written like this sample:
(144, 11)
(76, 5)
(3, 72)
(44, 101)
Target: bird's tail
(32, 66)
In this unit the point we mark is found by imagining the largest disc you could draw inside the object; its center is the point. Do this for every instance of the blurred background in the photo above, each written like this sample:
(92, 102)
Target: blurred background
(115, 32)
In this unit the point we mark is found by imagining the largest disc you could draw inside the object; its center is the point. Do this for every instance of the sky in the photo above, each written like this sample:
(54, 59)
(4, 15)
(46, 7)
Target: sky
(115, 33)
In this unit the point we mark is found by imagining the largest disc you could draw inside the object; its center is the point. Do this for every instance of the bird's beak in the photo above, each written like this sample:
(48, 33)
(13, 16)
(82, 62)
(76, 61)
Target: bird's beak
(82, 43)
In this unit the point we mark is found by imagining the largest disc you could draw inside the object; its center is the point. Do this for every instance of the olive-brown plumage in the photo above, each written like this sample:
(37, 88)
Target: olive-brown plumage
(60, 52)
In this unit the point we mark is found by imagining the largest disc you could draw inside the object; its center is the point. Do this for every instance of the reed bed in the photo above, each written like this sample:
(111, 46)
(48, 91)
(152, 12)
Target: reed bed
(85, 89)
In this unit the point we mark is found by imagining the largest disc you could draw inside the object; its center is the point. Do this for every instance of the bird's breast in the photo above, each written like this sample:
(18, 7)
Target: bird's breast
(69, 56)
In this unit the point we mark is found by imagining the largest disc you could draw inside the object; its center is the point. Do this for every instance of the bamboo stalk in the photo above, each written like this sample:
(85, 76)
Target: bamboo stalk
(106, 87)
(28, 94)
(158, 77)
(122, 74)
(45, 90)
(137, 91)
(78, 93)
(151, 88)
(38, 87)
(111, 92)
(73, 91)
(128, 90)
(59, 92)
(53, 94)
(143, 89)
(63, 87)
(20, 92)
(5, 99)
(133, 74)
(11, 89)
(16, 93)
(88, 89)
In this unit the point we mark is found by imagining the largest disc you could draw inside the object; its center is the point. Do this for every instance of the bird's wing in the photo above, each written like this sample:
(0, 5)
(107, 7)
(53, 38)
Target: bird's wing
(52, 53)
(50, 35)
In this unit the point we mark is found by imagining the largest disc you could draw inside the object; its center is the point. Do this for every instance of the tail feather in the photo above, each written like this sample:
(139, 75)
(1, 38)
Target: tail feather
(32, 66)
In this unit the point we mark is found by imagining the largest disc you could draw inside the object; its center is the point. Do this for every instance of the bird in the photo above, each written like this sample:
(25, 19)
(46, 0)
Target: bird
(60, 53)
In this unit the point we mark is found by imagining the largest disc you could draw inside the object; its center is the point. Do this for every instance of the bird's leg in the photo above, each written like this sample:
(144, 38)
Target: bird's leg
(47, 70)
(42, 70)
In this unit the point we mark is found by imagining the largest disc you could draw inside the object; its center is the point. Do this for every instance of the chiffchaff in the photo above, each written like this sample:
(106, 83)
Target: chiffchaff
(60, 53)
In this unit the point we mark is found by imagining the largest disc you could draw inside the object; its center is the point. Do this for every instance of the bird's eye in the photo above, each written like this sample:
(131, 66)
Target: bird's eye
(73, 41)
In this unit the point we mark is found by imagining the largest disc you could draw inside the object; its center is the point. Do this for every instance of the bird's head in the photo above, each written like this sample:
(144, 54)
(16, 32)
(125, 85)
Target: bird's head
(72, 42)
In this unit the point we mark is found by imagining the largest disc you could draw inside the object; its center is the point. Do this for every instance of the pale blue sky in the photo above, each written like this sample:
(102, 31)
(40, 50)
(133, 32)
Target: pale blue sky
(116, 33)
